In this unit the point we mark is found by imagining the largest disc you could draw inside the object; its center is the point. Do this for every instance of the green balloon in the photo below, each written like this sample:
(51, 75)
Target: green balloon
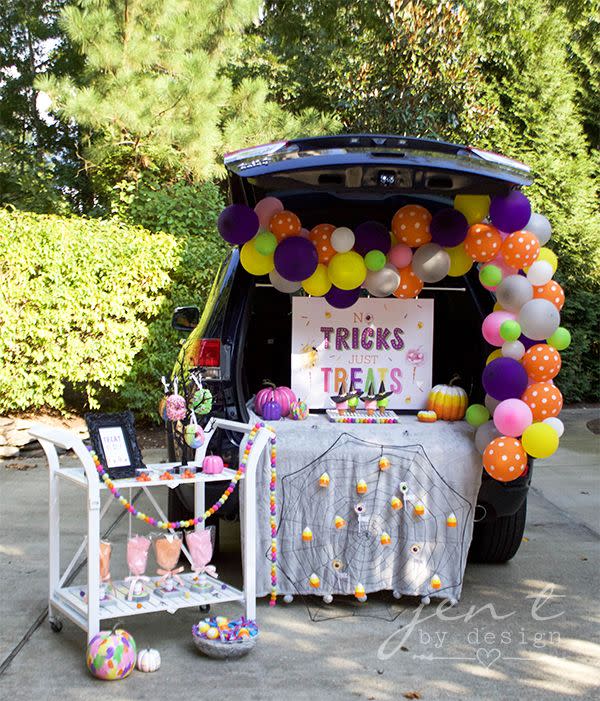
(375, 260)
(477, 415)
(491, 276)
(265, 242)
(510, 330)
(560, 339)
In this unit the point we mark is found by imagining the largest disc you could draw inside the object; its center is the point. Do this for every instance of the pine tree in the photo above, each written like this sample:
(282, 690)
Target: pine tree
(156, 95)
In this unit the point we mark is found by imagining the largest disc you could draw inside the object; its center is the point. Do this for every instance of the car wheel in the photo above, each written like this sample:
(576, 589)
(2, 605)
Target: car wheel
(498, 540)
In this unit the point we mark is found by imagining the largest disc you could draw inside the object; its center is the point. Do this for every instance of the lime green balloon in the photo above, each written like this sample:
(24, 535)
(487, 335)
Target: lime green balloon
(560, 339)
(490, 275)
(477, 415)
(375, 260)
(510, 330)
(265, 243)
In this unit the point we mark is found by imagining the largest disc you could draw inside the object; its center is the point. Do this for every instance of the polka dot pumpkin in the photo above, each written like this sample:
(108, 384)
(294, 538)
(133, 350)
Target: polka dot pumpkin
(483, 242)
(285, 224)
(504, 459)
(542, 362)
(410, 284)
(520, 249)
(551, 291)
(410, 225)
(544, 399)
(111, 654)
(320, 235)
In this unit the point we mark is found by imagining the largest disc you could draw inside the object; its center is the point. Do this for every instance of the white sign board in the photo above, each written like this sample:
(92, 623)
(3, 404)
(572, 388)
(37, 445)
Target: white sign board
(374, 341)
(115, 448)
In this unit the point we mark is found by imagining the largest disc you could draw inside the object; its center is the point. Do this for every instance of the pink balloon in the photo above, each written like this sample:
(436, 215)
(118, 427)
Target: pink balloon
(499, 262)
(491, 326)
(400, 255)
(266, 209)
(304, 233)
(512, 417)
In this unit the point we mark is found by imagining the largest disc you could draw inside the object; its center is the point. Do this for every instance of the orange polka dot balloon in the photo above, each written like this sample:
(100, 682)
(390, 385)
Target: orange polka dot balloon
(544, 399)
(551, 291)
(320, 235)
(520, 249)
(410, 284)
(483, 242)
(542, 362)
(410, 225)
(504, 459)
(284, 224)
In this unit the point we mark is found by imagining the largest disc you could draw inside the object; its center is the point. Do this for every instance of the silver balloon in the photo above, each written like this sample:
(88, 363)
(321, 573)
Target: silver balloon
(283, 285)
(540, 226)
(431, 263)
(484, 434)
(556, 424)
(491, 403)
(540, 273)
(342, 239)
(513, 292)
(513, 349)
(381, 283)
(538, 319)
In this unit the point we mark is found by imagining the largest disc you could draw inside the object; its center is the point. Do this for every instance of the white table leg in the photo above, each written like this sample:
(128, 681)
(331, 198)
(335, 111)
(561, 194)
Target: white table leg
(199, 503)
(53, 526)
(249, 553)
(93, 567)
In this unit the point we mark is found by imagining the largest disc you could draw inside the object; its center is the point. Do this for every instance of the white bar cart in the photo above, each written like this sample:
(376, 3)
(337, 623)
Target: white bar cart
(85, 610)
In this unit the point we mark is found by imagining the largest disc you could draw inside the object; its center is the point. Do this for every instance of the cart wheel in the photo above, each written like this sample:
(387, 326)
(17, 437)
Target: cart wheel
(56, 624)
(205, 608)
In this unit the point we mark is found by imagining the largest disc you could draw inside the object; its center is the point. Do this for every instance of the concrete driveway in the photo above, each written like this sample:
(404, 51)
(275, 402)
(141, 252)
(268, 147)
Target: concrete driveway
(525, 629)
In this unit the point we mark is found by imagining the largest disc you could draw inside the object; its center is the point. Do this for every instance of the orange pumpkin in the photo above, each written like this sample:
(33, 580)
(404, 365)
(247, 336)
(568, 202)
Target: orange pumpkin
(448, 401)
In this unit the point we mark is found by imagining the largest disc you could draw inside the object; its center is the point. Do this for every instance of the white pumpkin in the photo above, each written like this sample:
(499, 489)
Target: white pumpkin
(148, 660)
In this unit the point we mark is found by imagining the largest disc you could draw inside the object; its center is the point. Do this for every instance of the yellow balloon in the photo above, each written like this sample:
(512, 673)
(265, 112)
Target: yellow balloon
(474, 207)
(347, 270)
(493, 355)
(254, 262)
(498, 307)
(540, 440)
(318, 283)
(460, 262)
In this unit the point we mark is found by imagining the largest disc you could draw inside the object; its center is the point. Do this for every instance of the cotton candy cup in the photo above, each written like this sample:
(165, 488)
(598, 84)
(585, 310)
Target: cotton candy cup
(448, 227)
(266, 209)
(491, 327)
(513, 292)
(539, 319)
(342, 299)
(371, 236)
(512, 417)
(540, 440)
(431, 263)
(511, 212)
(237, 224)
(556, 424)
(485, 434)
(400, 255)
(540, 226)
(477, 415)
(283, 285)
(296, 258)
(504, 378)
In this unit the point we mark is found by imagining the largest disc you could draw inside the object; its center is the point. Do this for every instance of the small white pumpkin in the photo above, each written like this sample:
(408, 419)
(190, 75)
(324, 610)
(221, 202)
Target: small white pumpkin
(148, 660)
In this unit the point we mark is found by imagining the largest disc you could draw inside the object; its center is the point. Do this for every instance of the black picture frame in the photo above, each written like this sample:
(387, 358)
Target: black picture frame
(120, 429)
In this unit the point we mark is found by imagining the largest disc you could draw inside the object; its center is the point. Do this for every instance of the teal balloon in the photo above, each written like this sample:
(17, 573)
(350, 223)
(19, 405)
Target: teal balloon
(375, 260)
(477, 415)
(265, 242)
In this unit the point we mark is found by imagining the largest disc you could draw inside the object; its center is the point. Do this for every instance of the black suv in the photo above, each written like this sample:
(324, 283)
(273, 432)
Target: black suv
(244, 333)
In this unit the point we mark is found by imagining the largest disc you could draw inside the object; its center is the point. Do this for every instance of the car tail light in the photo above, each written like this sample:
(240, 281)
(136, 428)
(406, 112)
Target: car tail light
(209, 353)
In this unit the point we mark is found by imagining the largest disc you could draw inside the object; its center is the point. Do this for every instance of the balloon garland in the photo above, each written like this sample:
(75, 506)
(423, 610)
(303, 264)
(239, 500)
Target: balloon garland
(171, 525)
(500, 234)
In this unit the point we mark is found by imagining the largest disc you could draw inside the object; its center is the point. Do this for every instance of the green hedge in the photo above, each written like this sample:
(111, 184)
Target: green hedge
(85, 309)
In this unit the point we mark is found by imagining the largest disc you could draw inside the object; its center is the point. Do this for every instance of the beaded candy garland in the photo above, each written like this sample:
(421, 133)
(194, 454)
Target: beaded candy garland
(170, 525)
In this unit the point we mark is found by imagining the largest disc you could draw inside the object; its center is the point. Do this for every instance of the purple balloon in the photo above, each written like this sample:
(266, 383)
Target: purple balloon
(342, 299)
(296, 258)
(448, 227)
(527, 342)
(371, 236)
(510, 213)
(237, 224)
(504, 378)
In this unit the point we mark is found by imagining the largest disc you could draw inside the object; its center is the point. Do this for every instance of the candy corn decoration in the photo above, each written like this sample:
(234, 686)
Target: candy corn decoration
(339, 522)
(451, 521)
(419, 509)
(359, 591)
(361, 487)
(396, 503)
(314, 581)
(384, 463)
(436, 582)
(324, 480)
(385, 539)
(306, 534)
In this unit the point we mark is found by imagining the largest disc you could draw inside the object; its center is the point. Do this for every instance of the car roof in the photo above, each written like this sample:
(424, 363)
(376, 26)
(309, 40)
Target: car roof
(375, 161)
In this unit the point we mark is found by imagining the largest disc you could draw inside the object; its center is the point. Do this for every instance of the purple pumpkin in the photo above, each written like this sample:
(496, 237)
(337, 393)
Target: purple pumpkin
(271, 411)
(282, 395)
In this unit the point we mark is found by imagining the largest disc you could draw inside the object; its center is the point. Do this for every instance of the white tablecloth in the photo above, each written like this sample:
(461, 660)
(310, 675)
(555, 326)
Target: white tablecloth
(435, 465)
